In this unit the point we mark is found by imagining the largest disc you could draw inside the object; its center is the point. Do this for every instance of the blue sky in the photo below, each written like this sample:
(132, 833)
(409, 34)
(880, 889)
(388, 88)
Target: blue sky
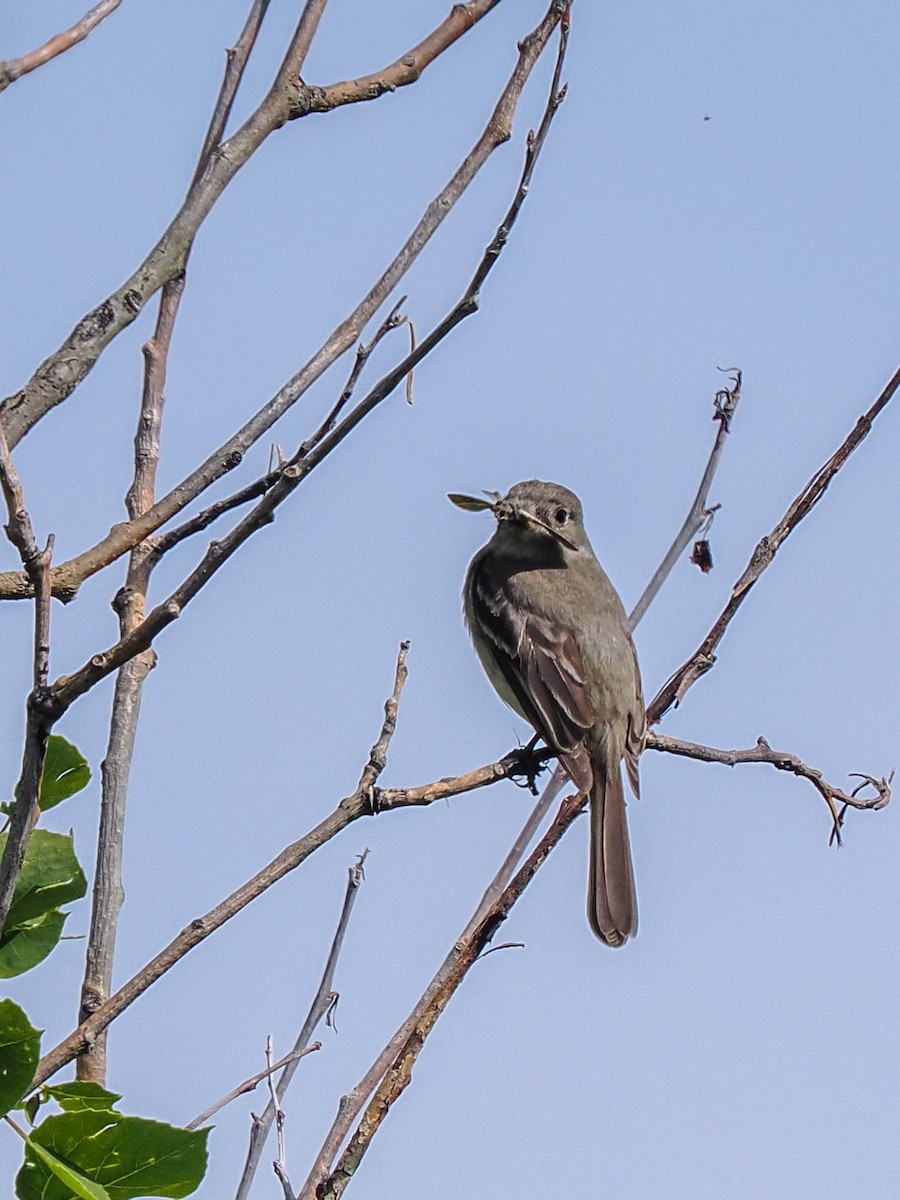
(743, 1044)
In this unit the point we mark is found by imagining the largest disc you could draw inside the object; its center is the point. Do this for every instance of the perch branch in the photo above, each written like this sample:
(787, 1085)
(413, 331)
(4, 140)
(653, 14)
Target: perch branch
(703, 659)
(15, 68)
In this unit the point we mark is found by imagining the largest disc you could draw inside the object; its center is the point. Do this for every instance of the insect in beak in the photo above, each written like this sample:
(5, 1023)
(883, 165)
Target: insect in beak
(506, 512)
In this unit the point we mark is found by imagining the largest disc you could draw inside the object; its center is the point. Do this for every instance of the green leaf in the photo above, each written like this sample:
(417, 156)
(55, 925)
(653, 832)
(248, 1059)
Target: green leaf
(20, 1049)
(127, 1156)
(50, 876)
(75, 1182)
(65, 772)
(24, 947)
(81, 1097)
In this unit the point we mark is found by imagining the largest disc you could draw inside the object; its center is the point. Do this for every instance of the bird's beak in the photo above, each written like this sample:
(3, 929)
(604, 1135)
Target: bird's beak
(506, 512)
(530, 519)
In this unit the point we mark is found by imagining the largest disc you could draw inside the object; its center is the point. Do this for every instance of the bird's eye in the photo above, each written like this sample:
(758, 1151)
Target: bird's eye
(561, 516)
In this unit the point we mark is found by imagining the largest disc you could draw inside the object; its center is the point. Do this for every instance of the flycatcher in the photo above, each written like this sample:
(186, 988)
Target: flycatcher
(553, 637)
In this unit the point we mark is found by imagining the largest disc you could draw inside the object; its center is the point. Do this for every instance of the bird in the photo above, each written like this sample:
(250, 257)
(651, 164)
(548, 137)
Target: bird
(553, 637)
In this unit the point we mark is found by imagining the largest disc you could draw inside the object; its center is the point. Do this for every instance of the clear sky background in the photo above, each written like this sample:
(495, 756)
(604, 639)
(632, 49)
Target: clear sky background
(745, 1044)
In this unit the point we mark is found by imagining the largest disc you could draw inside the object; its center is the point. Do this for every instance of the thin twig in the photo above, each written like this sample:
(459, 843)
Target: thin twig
(300, 43)
(41, 713)
(249, 1084)
(15, 68)
(287, 1190)
(703, 659)
(235, 62)
(392, 321)
(322, 1004)
(726, 401)
(280, 1163)
(197, 524)
(762, 752)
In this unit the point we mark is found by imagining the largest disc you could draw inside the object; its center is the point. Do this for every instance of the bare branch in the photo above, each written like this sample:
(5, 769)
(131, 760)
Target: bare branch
(323, 1001)
(40, 711)
(301, 42)
(762, 752)
(385, 799)
(248, 1085)
(235, 63)
(363, 352)
(280, 1163)
(15, 68)
(130, 604)
(703, 659)
(726, 401)
(405, 70)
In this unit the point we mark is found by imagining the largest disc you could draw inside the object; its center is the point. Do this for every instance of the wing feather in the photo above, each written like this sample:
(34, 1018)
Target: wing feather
(542, 668)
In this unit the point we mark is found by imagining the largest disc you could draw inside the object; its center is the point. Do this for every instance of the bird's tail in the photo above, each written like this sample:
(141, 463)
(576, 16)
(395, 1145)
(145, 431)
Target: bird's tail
(611, 902)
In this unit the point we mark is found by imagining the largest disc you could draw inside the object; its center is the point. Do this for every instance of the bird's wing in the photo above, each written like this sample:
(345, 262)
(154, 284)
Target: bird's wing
(636, 733)
(542, 667)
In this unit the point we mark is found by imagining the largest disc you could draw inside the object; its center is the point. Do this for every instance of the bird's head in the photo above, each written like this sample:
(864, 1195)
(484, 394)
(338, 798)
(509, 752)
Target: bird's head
(542, 510)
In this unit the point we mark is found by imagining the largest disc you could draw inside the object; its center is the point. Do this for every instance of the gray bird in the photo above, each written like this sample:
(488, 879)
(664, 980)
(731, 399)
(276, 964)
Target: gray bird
(553, 637)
